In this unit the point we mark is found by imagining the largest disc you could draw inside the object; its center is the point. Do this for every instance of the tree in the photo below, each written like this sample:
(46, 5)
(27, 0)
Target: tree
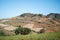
(22, 31)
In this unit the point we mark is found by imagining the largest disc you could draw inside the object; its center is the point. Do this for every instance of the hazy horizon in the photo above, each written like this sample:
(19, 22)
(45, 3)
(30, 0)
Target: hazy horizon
(11, 8)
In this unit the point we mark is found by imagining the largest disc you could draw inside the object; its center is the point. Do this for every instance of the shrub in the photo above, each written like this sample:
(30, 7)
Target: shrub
(51, 21)
(40, 15)
(17, 31)
(42, 31)
(22, 31)
(1, 33)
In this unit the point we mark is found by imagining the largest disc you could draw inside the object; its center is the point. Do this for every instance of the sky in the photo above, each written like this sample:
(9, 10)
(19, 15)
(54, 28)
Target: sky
(12, 8)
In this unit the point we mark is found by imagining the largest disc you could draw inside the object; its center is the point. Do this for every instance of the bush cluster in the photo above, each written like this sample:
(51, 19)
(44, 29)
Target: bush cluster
(22, 31)
(1, 33)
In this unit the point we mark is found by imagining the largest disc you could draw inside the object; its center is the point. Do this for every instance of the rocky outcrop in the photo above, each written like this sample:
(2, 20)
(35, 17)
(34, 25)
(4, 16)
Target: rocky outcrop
(7, 29)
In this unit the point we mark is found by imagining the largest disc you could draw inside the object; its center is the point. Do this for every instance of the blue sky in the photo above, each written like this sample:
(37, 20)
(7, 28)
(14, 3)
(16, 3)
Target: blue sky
(12, 8)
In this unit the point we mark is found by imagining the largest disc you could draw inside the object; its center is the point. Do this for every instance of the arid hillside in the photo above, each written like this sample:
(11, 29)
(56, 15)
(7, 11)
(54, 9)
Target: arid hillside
(35, 22)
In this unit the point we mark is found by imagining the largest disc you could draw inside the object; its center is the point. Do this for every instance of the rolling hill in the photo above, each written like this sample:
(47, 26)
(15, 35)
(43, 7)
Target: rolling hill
(50, 23)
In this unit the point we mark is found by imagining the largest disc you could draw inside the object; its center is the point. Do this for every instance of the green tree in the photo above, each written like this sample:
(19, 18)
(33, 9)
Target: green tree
(22, 31)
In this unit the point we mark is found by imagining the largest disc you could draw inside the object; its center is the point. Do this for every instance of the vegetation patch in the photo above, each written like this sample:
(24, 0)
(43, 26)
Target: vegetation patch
(1, 33)
(22, 31)
(43, 36)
